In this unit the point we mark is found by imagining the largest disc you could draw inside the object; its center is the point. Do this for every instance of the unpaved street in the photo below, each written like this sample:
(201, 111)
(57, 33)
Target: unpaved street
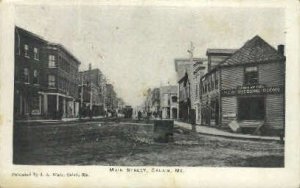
(131, 143)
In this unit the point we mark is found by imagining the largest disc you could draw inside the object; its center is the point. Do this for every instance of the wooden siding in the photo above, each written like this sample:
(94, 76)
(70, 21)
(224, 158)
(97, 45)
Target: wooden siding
(271, 74)
(229, 106)
(231, 77)
(274, 111)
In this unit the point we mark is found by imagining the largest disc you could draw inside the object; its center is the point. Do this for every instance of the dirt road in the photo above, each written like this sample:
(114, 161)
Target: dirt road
(131, 143)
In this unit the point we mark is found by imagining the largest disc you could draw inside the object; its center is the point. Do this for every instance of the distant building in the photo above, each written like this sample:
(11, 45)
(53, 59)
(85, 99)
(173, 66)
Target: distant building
(92, 80)
(187, 83)
(246, 91)
(111, 98)
(169, 102)
(155, 101)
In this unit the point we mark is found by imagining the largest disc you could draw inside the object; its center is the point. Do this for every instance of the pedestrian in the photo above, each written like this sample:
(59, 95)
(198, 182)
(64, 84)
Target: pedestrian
(139, 115)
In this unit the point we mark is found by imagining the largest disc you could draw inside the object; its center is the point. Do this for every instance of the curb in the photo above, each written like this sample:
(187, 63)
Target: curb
(232, 136)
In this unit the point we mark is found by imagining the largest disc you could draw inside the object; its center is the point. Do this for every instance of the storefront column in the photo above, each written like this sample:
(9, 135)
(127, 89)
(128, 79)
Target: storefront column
(57, 103)
(74, 108)
(40, 104)
(45, 104)
(64, 107)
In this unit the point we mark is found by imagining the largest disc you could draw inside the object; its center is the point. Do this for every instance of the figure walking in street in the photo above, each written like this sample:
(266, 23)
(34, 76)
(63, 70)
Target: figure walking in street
(139, 115)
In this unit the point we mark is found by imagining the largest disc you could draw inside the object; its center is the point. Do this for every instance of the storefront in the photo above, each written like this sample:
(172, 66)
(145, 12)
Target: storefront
(253, 106)
(246, 90)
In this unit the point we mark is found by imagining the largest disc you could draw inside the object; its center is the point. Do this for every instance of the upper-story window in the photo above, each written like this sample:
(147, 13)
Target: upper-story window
(51, 61)
(174, 99)
(26, 49)
(251, 75)
(51, 80)
(35, 77)
(36, 55)
(26, 75)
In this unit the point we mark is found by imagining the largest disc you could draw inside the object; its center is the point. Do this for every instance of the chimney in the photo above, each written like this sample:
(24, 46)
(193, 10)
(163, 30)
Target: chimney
(280, 49)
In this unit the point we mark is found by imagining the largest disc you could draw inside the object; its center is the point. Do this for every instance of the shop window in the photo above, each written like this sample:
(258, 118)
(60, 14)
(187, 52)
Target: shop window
(26, 48)
(35, 53)
(26, 75)
(35, 77)
(251, 76)
(51, 61)
(51, 80)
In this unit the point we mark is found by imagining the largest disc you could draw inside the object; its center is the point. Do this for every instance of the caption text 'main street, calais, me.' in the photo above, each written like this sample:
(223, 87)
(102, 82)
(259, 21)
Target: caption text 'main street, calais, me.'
(146, 170)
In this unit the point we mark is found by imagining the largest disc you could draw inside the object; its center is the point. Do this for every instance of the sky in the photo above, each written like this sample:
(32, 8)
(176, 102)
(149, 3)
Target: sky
(135, 46)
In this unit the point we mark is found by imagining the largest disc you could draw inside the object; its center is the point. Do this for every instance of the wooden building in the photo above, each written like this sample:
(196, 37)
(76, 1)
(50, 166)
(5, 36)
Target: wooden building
(246, 90)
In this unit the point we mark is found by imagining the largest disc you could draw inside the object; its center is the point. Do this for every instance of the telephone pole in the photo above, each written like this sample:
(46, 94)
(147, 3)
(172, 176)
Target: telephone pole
(91, 92)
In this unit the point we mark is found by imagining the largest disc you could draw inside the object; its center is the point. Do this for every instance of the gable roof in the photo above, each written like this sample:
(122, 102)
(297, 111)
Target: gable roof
(255, 50)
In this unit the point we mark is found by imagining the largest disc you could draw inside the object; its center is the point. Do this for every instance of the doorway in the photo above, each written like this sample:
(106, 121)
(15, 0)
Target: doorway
(251, 108)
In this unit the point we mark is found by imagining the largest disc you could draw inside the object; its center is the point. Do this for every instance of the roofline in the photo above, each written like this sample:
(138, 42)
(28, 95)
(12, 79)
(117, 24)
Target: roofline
(188, 59)
(220, 64)
(185, 75)
(236, 65)
(30, 33)
(221, 53)
(90, 70)
(64, 49)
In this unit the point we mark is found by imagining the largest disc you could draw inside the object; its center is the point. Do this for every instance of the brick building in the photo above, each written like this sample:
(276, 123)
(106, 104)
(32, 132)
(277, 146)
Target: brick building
(246, 91)
(45, 78)
(60, 95)
(29, 60)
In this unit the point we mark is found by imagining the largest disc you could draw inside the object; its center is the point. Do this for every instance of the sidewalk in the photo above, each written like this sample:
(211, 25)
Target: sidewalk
(55, 121)
(217, 132)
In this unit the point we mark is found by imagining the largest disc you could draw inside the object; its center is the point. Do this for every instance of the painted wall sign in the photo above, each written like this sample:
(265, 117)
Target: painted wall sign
(252, 90)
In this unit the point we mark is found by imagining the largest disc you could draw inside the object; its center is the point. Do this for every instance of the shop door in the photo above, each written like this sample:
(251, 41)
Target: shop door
(251, 108)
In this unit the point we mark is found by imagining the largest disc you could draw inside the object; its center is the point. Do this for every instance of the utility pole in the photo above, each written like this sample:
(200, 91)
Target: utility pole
(81, 97)
(91, 92)
(191, 52)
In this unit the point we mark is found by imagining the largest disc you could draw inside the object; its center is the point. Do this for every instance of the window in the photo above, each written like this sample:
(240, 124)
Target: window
(26, 48)
(35, 77)
(35, 53)
(251, 76)
(174, 99)
(51, 63)
(26, 75)
(51, 80)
